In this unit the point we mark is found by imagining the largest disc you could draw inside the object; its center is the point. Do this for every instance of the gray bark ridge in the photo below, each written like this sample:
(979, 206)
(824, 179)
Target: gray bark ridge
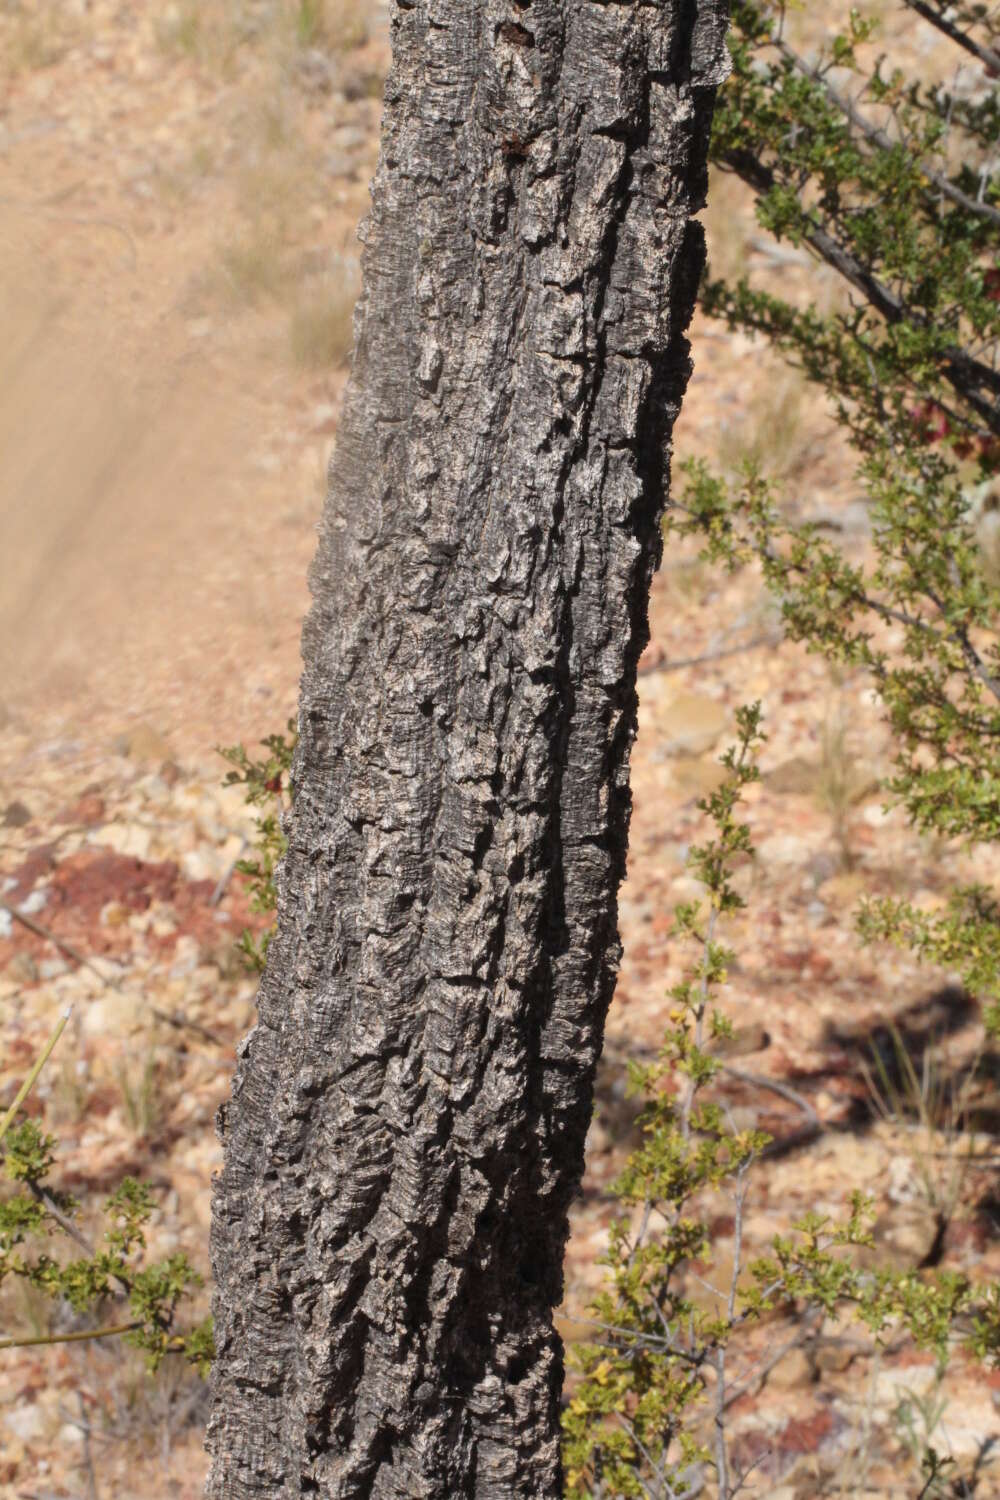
(407, 1121)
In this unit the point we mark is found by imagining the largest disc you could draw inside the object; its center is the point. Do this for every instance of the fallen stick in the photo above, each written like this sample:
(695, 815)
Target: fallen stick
(179, 1021)
(64, 947)
(184, 1023)
(699, 661)
(220, 889)
(809, 1131)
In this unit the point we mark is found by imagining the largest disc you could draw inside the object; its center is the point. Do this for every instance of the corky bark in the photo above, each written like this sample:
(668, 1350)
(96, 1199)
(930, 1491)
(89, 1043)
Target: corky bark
(408, 1117)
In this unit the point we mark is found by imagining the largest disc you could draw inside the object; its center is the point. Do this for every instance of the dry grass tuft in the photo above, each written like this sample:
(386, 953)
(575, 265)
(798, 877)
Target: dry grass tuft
(210, 33)
(776, 430)
(321, 326)
(32, 37)
(338, 25)
(253, 265)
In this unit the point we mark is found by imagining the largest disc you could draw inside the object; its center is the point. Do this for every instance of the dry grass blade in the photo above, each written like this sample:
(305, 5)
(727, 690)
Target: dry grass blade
(36, 1068)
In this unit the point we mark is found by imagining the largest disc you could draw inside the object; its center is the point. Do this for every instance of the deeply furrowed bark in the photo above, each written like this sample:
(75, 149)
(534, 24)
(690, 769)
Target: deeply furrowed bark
(407, 1122)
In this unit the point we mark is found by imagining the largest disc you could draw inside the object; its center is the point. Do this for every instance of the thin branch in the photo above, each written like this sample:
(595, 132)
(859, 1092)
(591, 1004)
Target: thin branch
(630, 1429)
(176, 1019)
(721, 1451)
(65, 1223)
(783, 1090)
(88, 1452)
(642, 1336)
(182, 1022)
(943, 22)
(772, 639)
(879, 139)
(64, 947)
(36, 1068)
(69, 1338)
(763, 1367)
(227, 875)
(966, 375)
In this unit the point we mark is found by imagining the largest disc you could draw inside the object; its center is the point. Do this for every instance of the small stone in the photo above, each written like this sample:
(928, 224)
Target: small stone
(792, 1373)
(744, 1040)
(16, 815)
(834, 1356)
(131, 839)
(109, 1014)
(141, 743)
(52, 968)
(781, 849)
(323, 417)
(349, 138)
(23, 969)
(339, 164)
(696, 777)
(598, 1140)
(88, 811)
(905, 1236)
(797, 777)
(845, 890)
(202, 863)
(689, 724)
(905, 1182)
(25, 1422)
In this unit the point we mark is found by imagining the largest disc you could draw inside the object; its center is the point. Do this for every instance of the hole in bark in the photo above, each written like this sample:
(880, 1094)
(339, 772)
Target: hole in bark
(518, 1368)
(515, 871)
(426, 707)
(528, 1272)
(517, 36)
(483, 841)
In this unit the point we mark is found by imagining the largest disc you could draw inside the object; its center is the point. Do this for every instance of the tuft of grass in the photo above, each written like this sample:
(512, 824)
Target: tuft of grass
(36, 39)
(773, 433)
(321, 326)
(837, 784)
(933, 1105)
(181, 30)
(338, 25)
(207, 34)
(253, 265)
(142, 1095)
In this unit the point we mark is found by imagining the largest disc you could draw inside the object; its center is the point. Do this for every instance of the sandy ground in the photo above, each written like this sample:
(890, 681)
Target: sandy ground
(179, 190)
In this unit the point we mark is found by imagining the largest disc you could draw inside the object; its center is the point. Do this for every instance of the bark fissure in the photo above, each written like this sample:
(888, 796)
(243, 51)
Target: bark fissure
(406, 1129)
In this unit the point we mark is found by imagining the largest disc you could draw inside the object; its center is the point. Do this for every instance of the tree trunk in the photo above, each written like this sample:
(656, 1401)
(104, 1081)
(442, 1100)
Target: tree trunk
(408, 1117)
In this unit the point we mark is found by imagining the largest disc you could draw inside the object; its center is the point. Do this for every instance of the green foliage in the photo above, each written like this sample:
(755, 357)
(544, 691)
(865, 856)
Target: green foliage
(871, 186)
(965, 936)
(636, 1424)
(268, 783)
(633, 1415)
(864, 175)
(113, 1271)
